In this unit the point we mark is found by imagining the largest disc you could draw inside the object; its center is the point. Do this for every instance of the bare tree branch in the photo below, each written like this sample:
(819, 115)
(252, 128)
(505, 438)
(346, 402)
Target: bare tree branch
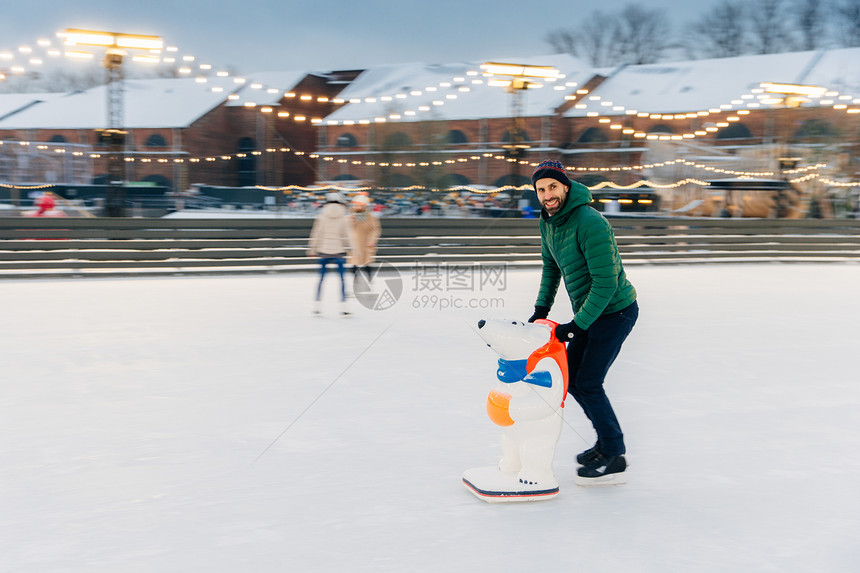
(846, 15)
(636, 36)
(562, 42)
(643, 33)
(719, 33)
(768, 33)
(810, 23)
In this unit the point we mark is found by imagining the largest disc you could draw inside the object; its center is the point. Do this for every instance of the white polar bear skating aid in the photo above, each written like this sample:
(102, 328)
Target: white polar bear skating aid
(527, 402)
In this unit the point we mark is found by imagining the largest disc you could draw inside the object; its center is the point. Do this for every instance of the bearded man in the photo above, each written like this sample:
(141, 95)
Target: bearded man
(578, 245)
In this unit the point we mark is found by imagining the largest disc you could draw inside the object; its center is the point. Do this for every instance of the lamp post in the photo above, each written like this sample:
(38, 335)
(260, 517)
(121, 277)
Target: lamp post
(113, 136)
(517, 79)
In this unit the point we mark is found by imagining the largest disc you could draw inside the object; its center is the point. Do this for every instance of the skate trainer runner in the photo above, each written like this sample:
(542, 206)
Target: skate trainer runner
(577, 245)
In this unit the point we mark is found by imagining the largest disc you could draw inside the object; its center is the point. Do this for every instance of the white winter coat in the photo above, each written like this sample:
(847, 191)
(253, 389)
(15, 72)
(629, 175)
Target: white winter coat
(331, 233)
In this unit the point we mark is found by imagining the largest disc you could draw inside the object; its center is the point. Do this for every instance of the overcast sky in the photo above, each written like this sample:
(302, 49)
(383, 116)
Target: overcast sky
(263, 35)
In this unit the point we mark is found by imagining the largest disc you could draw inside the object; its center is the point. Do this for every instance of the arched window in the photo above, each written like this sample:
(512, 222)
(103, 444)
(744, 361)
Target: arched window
(734, 131)
(661, 128)
(521, 135)
(816, 128)
(400, 180)
(398, 140)
(593, 135)
(155, 140)
(455, 136)
(57, 139)
(589, 179)
(347, 140)
(453, 180)
(159, 180)
(509, 179)
(246, 167)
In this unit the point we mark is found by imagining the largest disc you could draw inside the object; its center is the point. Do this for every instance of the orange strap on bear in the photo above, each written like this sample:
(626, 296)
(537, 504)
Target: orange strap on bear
(554, 349)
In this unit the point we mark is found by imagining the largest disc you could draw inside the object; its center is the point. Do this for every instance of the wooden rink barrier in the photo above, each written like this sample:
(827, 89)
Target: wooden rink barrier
(33, 247)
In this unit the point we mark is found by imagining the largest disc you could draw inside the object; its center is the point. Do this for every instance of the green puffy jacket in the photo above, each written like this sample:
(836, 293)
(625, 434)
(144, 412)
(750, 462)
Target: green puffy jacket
(577, 243)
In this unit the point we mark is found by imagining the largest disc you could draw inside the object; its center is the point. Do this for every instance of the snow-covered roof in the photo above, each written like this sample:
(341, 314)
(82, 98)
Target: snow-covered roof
(267, 88)
(421, 92)
(13, 103)
(838, 70)
(148, 103)
(697, 85)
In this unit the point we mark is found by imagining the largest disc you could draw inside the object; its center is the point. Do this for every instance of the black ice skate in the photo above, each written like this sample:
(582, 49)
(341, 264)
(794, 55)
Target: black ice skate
(603, 470)
(588, 457)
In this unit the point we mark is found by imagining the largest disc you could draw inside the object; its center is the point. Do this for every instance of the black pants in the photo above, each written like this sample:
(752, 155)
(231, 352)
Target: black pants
(589, 357)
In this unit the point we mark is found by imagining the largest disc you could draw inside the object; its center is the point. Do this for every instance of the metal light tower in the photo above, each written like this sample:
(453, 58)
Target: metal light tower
(113, 136)
(114, 76)
(520, 78)
(789, 96)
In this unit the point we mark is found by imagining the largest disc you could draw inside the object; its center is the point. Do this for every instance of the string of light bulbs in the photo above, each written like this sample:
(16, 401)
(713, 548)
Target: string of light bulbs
(505, 188)
(499, 157)
(754, 99)
(461, 81)
(757, 98)
(482, 190)
(26, 187)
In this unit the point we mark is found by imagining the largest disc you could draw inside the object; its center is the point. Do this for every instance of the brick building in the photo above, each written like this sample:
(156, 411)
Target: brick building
(438, 125)
(177, 131)
(443, 125)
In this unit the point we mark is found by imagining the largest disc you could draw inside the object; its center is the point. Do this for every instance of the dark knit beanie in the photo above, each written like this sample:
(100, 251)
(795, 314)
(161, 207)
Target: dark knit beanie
(553, 169)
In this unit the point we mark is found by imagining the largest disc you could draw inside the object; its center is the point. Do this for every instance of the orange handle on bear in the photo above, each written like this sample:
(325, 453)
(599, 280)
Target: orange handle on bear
(498, 404)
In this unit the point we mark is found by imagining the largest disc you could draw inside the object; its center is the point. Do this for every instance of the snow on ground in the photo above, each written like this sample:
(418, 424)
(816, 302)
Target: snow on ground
(212, 424)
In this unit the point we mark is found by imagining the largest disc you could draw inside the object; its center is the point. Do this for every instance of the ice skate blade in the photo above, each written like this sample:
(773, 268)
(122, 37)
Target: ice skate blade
(611, 479)
(493, 486)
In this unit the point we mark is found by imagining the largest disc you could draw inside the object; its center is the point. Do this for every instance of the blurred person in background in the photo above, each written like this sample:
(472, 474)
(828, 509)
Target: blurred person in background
(331, 241)
(366, 230)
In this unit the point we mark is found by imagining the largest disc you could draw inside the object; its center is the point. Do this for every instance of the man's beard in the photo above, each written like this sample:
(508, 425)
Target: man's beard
(555, 205)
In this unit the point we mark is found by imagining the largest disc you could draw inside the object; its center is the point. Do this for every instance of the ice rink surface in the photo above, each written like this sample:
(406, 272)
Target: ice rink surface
(212, 424)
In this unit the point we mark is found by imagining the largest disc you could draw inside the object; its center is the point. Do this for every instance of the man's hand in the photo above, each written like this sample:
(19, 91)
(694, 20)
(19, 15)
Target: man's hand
(540, 312)
(566, 332)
